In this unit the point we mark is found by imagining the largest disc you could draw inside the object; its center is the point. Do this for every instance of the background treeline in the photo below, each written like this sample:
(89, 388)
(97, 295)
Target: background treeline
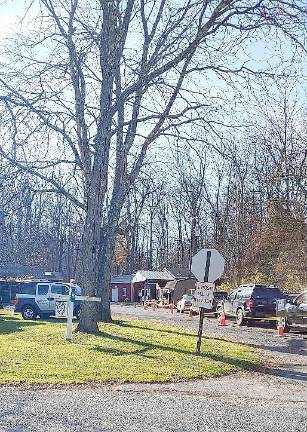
(243, 193)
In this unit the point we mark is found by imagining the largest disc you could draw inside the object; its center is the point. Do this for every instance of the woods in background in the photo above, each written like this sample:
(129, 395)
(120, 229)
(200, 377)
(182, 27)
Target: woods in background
(246, 197)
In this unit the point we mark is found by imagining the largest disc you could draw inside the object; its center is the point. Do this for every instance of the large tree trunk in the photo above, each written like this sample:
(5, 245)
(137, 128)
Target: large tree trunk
(104, 275)
(89, 270)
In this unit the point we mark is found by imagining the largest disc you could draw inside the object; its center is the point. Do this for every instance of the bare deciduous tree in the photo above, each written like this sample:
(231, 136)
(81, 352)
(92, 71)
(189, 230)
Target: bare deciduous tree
(87, 91)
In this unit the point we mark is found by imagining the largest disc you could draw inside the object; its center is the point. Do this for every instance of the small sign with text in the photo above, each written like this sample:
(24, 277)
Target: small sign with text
(203, 295)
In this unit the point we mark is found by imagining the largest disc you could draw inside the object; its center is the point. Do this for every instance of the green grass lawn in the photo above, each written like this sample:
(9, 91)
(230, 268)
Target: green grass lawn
(124, 351)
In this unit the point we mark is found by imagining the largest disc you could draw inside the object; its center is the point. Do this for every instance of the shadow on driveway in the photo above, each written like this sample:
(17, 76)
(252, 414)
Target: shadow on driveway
(293, 374)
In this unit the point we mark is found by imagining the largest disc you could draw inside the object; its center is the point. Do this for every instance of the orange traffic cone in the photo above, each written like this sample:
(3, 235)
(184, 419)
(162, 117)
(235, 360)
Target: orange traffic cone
(190, 313)
(172, 308)
(222, 320)
(145, 306)
(154, 306)
(280, 328)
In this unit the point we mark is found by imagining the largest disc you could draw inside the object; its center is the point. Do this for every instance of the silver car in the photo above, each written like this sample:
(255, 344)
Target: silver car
(185, 303)
(295, 314)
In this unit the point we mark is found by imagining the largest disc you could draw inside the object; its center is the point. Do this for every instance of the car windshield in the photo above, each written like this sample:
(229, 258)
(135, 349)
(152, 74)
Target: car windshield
(267, 292)
(220, 294)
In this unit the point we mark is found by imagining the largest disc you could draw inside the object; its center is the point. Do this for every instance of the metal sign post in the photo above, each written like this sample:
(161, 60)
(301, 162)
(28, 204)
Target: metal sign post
(207, 266)
(202, 309)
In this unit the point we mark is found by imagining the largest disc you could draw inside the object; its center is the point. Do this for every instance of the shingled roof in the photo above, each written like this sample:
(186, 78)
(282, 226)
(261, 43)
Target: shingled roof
(145, 275)
(178, 272)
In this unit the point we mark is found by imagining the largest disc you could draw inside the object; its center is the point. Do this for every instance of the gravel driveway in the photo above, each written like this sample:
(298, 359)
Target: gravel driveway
(236, 403)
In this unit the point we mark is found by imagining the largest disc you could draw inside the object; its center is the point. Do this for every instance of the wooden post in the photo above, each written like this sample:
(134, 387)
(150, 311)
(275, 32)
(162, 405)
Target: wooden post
(202, 310)
(70, 311)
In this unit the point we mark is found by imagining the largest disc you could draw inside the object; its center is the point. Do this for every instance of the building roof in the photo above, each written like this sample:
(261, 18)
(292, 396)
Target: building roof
(12, 270)
(121, 279)
(144, 275)
(178, 272)
(186, 284)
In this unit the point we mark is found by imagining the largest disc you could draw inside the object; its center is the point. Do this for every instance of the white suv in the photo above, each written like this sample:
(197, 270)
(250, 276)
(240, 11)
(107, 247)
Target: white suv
(37, 298)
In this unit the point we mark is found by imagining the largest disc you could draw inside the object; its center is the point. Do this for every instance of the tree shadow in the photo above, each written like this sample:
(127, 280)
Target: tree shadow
(292, 345)
(119, 353)
(147, 346)
(11, 324)
(296, 346)
(161, 330)
(290, 374)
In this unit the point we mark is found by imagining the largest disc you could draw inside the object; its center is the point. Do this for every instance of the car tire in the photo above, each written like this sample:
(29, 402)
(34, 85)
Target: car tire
(29, 313)
(240, 317)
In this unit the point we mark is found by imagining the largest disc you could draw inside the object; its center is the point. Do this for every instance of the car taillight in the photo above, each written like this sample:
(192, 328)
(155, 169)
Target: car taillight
(251, 303)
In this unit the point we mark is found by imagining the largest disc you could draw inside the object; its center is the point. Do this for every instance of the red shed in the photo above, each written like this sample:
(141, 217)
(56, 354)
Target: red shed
(120, 288)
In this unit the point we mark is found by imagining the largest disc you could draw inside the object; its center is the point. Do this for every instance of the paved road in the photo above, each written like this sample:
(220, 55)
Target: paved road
(240, 402)
(249, 402)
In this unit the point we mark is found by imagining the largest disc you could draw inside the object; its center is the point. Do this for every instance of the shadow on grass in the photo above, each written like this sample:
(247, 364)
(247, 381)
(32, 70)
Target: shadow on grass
(145, 347)
(161, 330)
(118, 353)
(11, 324)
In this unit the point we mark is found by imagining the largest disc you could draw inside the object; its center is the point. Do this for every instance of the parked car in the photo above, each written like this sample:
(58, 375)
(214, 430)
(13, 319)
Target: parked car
(291, 296)
(37, 298)
(296, 312)
(251, 301)
(184, 304)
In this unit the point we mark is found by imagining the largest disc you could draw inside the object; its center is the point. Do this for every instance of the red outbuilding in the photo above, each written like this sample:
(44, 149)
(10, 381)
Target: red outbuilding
(120, 288)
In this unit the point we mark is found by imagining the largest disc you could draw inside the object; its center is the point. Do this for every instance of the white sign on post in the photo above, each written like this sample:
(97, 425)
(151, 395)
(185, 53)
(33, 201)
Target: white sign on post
(208, 263)
(68, 309)
(61, 309)
(203, 295)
